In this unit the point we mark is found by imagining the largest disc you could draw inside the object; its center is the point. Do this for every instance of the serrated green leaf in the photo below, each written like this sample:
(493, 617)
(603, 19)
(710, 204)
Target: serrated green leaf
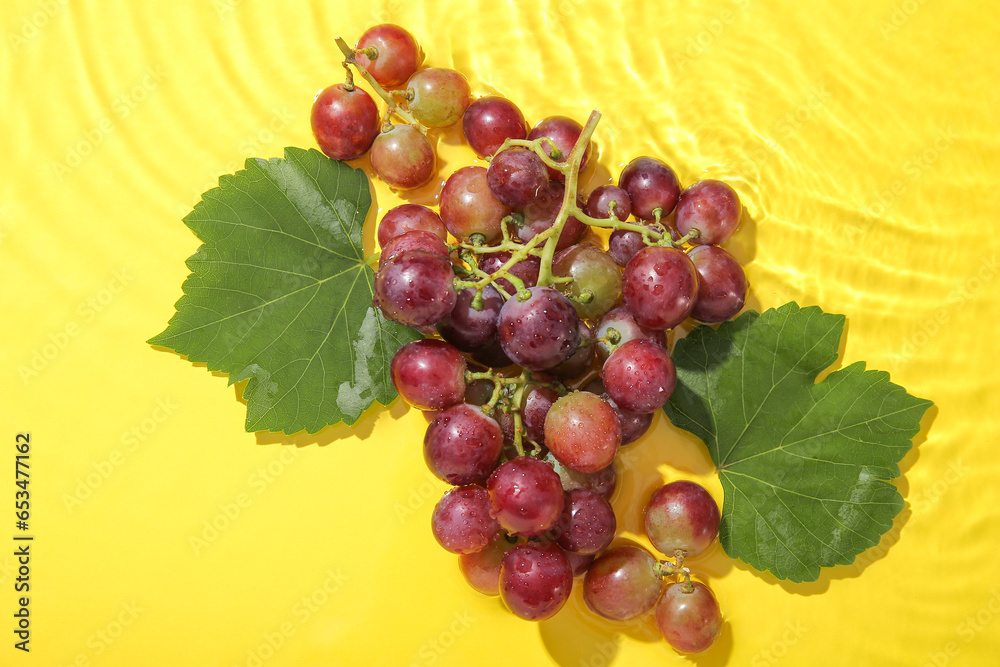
(805, 466)
(280, 295)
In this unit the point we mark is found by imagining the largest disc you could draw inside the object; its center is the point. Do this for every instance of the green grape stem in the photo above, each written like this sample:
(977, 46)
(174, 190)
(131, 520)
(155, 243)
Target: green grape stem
(350, 56)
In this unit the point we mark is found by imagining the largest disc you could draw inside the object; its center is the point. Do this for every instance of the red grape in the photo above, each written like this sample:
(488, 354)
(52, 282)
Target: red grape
(402, 157)
(639, 376)
(526, 496)
(688, 616)
(713, 208)
(682, 515)
(415, 288)
(660, 286)
(722, 284)
(621, 320)
(482, 568)
(489, 121)
(541, 331)
(345, 121)
(582, 431)
(468, 207)
(535, 580)
(622, 583)
(600, 200)
(541, 214)
(399, 55)
(440, 96)
(461, 521)
(516, 176)
(469, 329)
(462, 445)
(564, 133)
(587, 523)
(651, 185)
(407, 217)
(429, 374)
(527, 269)
(415, 239)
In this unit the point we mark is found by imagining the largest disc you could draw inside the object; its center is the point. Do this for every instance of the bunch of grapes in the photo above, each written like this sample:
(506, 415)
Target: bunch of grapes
(546, 347)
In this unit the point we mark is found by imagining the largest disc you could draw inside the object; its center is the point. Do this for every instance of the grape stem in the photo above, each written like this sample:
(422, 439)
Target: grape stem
(350, 56)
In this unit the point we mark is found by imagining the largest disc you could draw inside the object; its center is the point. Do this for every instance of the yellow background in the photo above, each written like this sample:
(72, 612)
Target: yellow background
(862, 136)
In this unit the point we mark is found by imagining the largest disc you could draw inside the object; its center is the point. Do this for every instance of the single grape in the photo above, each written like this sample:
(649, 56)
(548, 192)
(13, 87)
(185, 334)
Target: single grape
(541, 331)
(470, 329)
(462, 445)
(564, 133)
(581, 430)
(621, 320)
(624, 244)
(592, 270)
(603, 482)
(622, 583)
(482, 568)
(599, 203)
(660, 286)
(536, 405)
(408, 217)
(689, 617)
(461, 521)
(634, 424)
(587, 523)
(439, 96)
(541, 214)
(713, 208)
(489, 121)
(516, 176)
(429, 374)
(526, 496)
(398, 54)
(722, 284)
(416, 239)
(639, 376)
(527, 269)
(415, 288)
(682, 515)
(345, 121)
(651, 185)
(402, 157)
(582, 359)
(535, 580)
(468, 207)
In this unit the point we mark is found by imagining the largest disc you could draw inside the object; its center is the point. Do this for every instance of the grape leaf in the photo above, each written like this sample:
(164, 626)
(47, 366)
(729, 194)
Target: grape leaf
(805, 466)
(279, 294)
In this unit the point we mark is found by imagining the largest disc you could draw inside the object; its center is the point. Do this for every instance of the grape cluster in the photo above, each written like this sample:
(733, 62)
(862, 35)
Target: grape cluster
(546, 347)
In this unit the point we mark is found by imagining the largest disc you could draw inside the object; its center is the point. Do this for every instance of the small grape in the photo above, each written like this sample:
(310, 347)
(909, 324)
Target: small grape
(399, 55)
(564, 133)
(621, 320)
(527, 269)
(581, 430)
(345, 121)
(622, 583)
(526, 496)
(682, 515)
(408, 217)
(540, 332)
(600, 200)
(468, 207)
(462, 445)
(489, 121)
(415, 288)
(535, 580)
(470, 329)
(541, 214)
(639, 376)
(689, 617)
(591, 269)
(713, 208)
(415, 239)
(651, 185)
(516, 176)
(461, 521)
(429, 374)
(482, 568)
(587, 523)
(722, 284)
(660, 286)
(402, 157)
(439, 96)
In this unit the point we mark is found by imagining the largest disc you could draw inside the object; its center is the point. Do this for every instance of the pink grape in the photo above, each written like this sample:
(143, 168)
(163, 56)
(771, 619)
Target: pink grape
(535, 580)
(482, 568)
(345, 121)
(526, 496)
(682, 516)
(462, 445)
(622, 583)
(688, 617)
(468, 207)
(639, 376)
(429, 374)
(461, 521)
(398, 57)
(582, 431)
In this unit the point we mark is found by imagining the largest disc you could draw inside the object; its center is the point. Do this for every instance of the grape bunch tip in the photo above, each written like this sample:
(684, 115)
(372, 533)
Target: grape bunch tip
(545, 351)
